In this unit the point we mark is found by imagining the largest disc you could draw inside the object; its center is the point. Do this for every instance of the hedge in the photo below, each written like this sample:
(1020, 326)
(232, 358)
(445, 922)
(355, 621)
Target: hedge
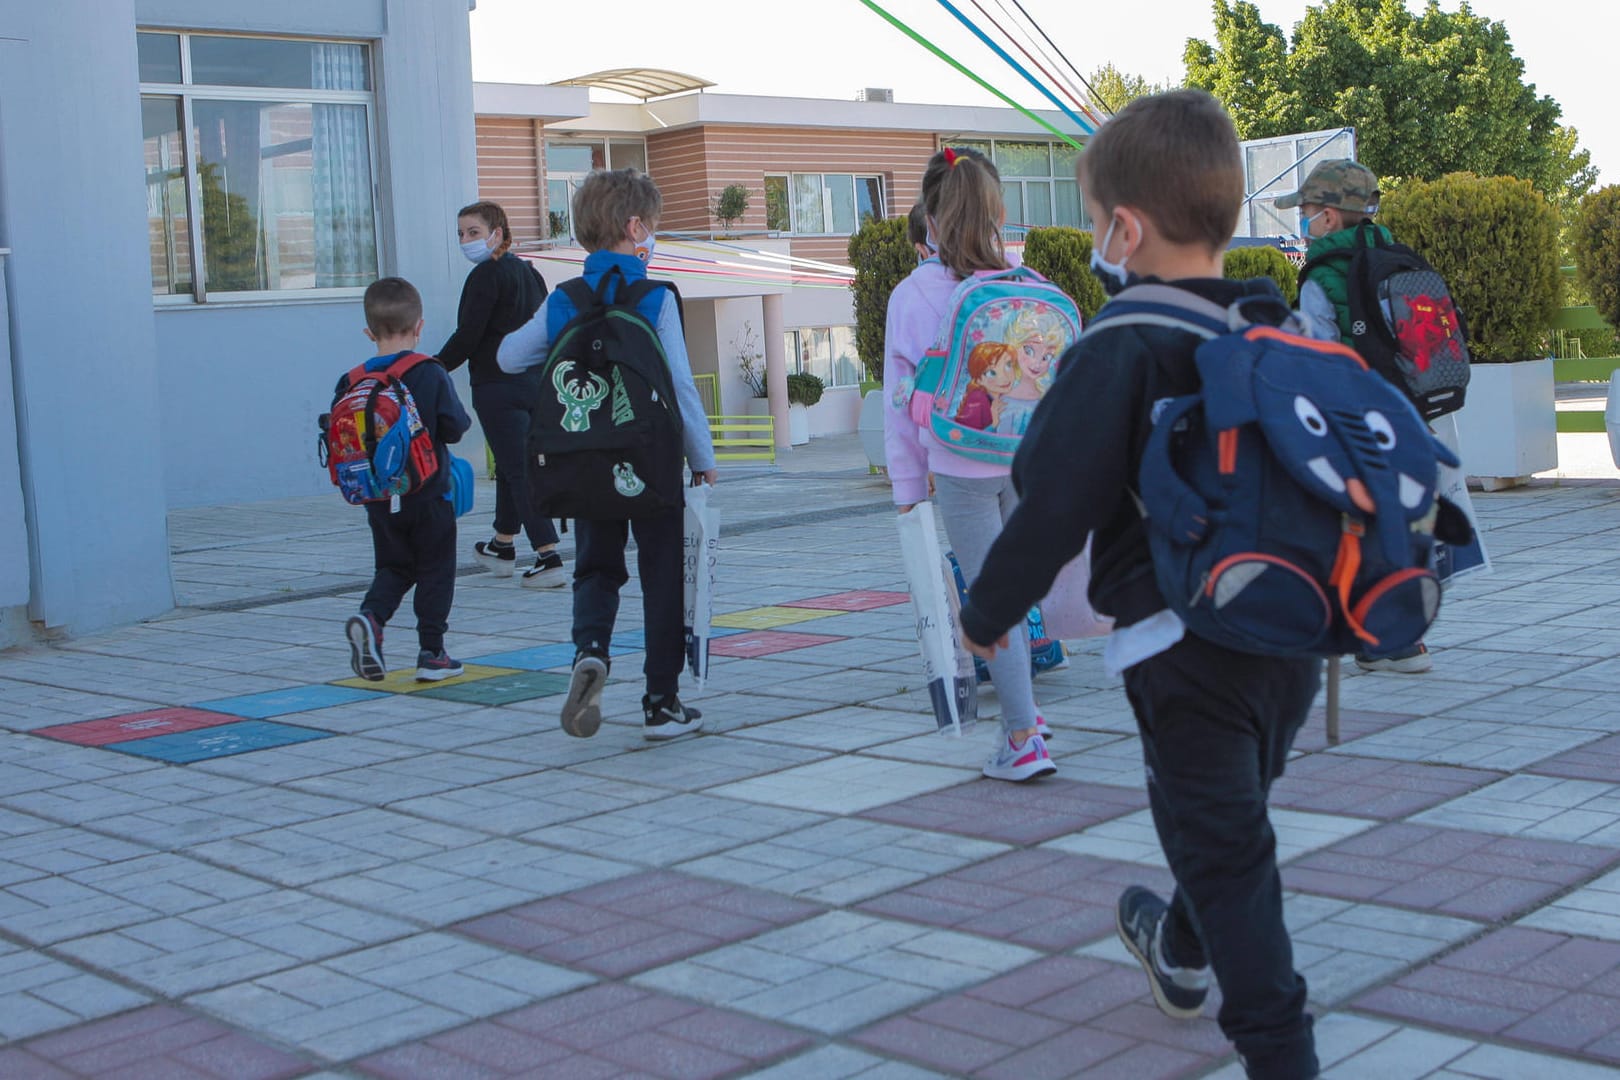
(1063, 255)
(882, 257)
(1596, 242)
(1251, 262)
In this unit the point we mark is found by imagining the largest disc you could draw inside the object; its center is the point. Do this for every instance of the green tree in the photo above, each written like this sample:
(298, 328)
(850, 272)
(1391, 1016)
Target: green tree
(1429, 93)
(1063, 256)
(882, 257)
(230, 235)
(1596, 246)
(1113, 89)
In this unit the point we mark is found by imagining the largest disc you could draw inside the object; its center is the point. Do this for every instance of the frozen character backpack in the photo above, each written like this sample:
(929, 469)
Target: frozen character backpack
(1403, 321)
(996, 354)
(605, 431)
(1291, 503)
(373, 442)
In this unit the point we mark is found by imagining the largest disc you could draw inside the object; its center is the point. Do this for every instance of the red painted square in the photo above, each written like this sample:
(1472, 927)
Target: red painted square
(131, 726)
(751, 644)
(860, 600)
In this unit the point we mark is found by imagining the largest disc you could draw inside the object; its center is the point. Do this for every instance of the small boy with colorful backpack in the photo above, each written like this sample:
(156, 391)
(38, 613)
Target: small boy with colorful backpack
(413, 524)
(617, 409)
(1339, 289)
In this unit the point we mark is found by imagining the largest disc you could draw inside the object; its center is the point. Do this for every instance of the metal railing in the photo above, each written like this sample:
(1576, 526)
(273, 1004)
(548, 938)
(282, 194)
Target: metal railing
(743, 439)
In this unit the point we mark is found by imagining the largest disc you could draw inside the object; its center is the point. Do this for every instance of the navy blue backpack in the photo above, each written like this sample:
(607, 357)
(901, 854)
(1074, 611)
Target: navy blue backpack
(1291, 503)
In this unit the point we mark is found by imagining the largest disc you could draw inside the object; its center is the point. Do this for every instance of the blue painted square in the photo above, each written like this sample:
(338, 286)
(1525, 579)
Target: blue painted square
(204, 744)
(538, 658)
(280, 702)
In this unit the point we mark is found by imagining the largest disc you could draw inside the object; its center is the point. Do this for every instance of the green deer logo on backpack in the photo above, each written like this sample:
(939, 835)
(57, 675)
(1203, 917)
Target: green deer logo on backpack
(578, 397)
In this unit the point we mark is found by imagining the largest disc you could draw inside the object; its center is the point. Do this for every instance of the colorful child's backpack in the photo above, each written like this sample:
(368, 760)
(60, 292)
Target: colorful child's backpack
(1403, 321)
(996, 354)
(605, 432)
(373, 442)
(1291, 502)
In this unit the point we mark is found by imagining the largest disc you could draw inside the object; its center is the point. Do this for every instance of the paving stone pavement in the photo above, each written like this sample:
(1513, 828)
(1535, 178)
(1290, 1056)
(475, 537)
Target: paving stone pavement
(412, 881)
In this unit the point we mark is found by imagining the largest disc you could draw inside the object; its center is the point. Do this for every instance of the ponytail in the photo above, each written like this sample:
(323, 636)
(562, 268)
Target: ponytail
(493, 217)
(961, 190)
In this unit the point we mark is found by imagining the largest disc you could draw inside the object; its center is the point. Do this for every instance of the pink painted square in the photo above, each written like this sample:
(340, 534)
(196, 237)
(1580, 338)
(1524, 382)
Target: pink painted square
(861, 600)
(752, 644)
(131, 726)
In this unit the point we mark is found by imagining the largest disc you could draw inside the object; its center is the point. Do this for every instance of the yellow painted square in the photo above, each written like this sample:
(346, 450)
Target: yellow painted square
(403, 681)
(769, 618)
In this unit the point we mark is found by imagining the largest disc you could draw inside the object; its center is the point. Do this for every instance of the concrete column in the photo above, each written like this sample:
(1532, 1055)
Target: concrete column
(776, 368)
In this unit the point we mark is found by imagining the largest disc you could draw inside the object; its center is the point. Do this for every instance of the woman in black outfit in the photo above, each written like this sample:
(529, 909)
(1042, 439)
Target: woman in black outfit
(501, 294)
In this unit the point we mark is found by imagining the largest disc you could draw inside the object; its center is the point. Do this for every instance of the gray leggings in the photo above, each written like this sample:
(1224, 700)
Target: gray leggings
(973, 511)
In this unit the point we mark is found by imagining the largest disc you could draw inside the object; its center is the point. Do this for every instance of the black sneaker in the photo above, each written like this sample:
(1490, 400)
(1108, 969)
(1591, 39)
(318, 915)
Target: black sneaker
(1179, 992)
(499, 559)
(666, 718)
(546, 573)
(433, 666)
(582, 710)
(365, 635)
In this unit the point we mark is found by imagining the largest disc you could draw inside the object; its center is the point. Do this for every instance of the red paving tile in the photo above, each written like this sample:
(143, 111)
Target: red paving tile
(1059, 1017)
(1594, 761)
(130, 726)
(633, 924)
(752, 644)
(1040, 898)
(155, 1041)
(1353, 724)
(1372, 787)
(1013, 813)
(860, 600)
(603, 1031)
(1455, 871)
(1551, 991)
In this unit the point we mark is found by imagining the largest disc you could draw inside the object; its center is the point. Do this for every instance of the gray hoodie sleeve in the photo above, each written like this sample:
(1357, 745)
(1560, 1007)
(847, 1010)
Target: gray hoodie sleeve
(694, 421)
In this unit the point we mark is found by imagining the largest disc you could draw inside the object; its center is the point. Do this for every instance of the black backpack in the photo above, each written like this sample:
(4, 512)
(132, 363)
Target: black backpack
(1403, 321)
(605, 431)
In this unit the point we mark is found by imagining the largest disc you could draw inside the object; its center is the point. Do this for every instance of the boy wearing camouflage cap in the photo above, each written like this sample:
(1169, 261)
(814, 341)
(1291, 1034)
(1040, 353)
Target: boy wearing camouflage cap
(1337, 198)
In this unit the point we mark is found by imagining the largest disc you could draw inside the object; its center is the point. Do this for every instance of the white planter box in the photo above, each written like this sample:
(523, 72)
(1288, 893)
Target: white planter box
(757, 406)
(798, 424)
(1509, 427)
(871, 428)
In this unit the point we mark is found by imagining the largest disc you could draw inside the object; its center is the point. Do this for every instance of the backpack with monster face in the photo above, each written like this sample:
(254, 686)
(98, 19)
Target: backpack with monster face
(1291, 503)
(605, 431)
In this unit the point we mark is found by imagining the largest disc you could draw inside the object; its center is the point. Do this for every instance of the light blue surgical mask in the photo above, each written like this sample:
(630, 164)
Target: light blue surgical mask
(477, 251)
(1305, 222)
(1113, 275)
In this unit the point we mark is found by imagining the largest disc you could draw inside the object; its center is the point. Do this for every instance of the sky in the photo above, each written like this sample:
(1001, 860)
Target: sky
(834, 48)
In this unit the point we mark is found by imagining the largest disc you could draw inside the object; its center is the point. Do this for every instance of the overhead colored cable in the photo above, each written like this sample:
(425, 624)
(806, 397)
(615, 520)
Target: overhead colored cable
(1106, 107)
(1061, 84)
(937, 51)
(1085, 126)
(760, 253)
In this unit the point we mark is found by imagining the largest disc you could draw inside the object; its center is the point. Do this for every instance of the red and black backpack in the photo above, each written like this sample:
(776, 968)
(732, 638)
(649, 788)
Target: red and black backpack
(373, 442)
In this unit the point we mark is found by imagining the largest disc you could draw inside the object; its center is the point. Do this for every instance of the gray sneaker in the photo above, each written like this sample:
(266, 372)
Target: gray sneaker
(582, 711)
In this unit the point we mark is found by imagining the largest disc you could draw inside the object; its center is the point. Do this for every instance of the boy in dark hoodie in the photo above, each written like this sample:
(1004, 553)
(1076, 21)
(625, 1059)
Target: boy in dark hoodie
(1163, 183)
(414, 537)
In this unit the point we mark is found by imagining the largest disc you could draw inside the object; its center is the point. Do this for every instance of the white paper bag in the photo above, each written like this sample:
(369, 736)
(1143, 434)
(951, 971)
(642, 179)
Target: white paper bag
(702, 545)
(947, 669)
(1451, 563)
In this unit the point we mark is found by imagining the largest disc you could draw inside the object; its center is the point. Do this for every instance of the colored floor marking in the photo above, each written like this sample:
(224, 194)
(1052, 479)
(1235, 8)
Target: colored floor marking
(403, 681)
(280, 702)
(768, 643)
(519, 686)
(768, 618)
(140, 725)
(204, 744)
(860, 600)
(538, 658)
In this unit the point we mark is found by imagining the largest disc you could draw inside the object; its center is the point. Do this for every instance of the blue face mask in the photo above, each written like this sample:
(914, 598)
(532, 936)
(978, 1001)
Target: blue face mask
(1114, 276)
(477, 251)
(1305, 223)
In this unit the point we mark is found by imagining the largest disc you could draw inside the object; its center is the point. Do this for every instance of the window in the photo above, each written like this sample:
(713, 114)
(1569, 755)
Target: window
(1279, 165)
(827, 352)
(258, 160)
(1037, 182)
(569, 160)
(821, 204)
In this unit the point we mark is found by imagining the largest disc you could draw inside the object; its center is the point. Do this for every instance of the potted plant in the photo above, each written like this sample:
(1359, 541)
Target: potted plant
(751, 367)
(730, 204)
(1495, 241)
(804, 390)
(1597, 261)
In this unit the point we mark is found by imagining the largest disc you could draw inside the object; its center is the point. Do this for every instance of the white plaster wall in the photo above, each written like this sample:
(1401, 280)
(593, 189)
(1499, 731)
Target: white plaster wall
(290, 354)
(84, 356)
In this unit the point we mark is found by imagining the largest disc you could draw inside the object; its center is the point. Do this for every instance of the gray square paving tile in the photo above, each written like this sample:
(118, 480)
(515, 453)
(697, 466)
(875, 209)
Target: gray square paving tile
(1014, 813)
(1546, 705)
(533, 801)
(412, 777)
(842, 729)
(979, 742)
(844, 861)
(673, 830)
(1133, 839)
(300, 761)
(1431, 694)
(1477, 744)
(32, 852)
(1551, 808)
(836, 971)
(693, 764)
(159, 1041)
(330, 847)
(368, 1000)
(1592, 911)
(27, 706)
(39, 994)
(842, 785)
(1598, 761)
(1371, 787)
(842, 687)
(844, 1063)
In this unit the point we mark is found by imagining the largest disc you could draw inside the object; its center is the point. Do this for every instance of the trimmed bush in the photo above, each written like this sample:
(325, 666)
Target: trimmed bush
(1244, 263)
(1063, 255)
(1495, 240)
(804, 388)
(1596, 241)
(882, 257)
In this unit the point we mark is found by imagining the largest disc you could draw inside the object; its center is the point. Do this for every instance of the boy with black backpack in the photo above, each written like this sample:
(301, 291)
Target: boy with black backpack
(385, 443)
(617, 409)
(1254, 499)
(1382, 299)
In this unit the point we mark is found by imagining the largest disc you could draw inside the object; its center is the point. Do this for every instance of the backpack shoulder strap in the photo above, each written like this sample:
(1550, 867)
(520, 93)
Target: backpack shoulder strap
(636, 292)
(399, 367)
(1324, 258)
(582, 296)
(1166, 306)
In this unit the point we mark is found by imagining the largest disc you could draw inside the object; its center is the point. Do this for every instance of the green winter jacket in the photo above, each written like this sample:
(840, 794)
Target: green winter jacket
(1332, 275)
